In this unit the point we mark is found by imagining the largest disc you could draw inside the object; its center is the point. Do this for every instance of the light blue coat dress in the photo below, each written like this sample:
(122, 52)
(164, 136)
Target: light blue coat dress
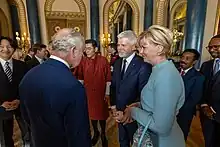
(161, 99)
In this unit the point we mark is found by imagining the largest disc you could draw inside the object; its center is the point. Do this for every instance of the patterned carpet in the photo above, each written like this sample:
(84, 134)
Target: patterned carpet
(195, 137)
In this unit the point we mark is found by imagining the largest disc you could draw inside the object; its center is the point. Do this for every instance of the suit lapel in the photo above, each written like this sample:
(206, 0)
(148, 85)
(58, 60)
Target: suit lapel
(189, 74)
(131, 68)
(2, 73)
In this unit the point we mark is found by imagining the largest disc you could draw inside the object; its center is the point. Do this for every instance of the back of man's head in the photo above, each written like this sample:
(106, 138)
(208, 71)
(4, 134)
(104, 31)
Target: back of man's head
(66, 39)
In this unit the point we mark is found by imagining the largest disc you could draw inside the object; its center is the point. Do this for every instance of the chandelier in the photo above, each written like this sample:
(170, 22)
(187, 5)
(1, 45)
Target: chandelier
(23, 42)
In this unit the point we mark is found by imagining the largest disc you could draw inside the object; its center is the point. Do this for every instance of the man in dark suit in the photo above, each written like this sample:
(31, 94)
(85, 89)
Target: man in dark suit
(130, 74)
(210, 104)
(29, 55)
(53, 101)
(193, 82)
(11, 73)
(39, 55)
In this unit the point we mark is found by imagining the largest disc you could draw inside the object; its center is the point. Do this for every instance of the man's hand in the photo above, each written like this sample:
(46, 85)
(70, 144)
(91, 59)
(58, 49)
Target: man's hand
(137, 104)
(13, 105)
(127, 116)
(6, 105)
(106, 99)
(118, 116)
(208, 112)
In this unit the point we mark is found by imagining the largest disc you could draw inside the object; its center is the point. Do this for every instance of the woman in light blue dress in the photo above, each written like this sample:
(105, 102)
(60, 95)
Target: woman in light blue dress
(163, 95)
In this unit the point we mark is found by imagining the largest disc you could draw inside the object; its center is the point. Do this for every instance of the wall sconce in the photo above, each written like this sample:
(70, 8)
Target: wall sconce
(105, 40)
(177, 36)
(24, 42)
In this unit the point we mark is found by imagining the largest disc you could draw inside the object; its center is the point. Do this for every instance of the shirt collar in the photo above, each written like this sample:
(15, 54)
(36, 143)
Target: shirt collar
(59, 59)
(128, 59)
(39, 59)
(4, 61)
(185, 71)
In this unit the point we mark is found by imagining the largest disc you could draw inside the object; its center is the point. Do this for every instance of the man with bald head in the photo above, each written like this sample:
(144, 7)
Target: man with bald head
(53, 102)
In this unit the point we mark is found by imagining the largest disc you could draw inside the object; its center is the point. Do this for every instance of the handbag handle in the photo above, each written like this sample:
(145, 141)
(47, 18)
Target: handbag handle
(142, 135)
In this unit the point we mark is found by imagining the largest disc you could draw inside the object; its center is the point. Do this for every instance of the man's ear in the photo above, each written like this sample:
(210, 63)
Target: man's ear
(194, 62)
(96, 49)
(72, 50)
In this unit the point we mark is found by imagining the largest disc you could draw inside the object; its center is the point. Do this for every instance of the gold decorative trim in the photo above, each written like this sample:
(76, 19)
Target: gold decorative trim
(4, 23)
(22, 16)
(173, 10)
(68, 15)
(162, 6)
(80, 3)
(136, 12)
(217, 25)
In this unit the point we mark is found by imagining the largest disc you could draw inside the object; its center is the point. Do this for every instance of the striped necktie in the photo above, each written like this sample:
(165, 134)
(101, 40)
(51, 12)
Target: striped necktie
(8, 71)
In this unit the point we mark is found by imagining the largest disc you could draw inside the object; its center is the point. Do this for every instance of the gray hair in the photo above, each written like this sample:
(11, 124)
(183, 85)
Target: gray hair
(130, 35)
(67, 38)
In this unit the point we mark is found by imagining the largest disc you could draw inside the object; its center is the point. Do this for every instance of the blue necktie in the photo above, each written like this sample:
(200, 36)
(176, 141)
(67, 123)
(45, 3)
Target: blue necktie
(216, 67)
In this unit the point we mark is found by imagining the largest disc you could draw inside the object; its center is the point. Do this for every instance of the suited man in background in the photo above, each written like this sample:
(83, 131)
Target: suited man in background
(39, 55)
(11, 73)
(193, 83)
(29, 55)
(130, 74)
(210, 104)
(53, 101)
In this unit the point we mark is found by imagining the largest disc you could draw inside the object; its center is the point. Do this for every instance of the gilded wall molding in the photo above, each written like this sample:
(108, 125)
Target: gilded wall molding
(217, 18)
(80, 3)
(21, 14)
(64, 14)
(4, 24)
(136, 12)
(173, 10)
(161, 15)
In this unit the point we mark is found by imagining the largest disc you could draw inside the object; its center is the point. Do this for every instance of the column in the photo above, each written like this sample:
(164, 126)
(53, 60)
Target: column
(195, 23)
(14, 20)
(33, 21)
(94, 19)
(148, 13)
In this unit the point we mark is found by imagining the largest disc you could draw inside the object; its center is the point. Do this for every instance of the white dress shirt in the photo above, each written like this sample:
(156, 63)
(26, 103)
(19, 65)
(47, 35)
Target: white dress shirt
(39, 59)
(185, 71)
(59, 59)
(128, 61)
(3, 63)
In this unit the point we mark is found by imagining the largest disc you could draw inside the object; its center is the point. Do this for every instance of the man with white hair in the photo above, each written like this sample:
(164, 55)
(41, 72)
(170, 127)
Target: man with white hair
(53, 102)
(130, 74)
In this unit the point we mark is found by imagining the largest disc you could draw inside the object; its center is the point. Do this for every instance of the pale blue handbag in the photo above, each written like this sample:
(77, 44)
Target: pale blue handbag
(142, 137)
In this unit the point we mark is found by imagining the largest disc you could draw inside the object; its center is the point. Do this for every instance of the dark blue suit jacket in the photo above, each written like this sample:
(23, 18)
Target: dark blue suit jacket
(193, 82)
(54, 104)
(127, 91)
(212, 86)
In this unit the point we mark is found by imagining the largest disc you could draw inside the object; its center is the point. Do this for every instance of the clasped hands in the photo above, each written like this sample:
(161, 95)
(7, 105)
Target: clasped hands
(123, 116)
(9, 106)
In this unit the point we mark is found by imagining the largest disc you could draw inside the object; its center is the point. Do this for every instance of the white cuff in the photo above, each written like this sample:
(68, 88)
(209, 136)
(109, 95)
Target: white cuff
(81, 81)
(212, 110)
(204, 105)
(107, 90)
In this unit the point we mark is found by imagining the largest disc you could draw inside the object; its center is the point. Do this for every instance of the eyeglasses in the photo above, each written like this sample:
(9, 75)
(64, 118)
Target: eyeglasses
(212, 47)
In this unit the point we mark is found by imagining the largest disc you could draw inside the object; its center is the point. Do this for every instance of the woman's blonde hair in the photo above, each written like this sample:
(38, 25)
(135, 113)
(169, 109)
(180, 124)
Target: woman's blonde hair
(158, 35)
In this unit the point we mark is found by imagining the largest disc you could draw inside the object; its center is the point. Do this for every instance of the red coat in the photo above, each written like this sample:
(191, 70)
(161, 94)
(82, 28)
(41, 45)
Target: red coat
(95, 73)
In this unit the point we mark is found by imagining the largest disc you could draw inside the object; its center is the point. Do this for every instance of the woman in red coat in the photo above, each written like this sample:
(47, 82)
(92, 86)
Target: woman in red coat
(94, 71)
